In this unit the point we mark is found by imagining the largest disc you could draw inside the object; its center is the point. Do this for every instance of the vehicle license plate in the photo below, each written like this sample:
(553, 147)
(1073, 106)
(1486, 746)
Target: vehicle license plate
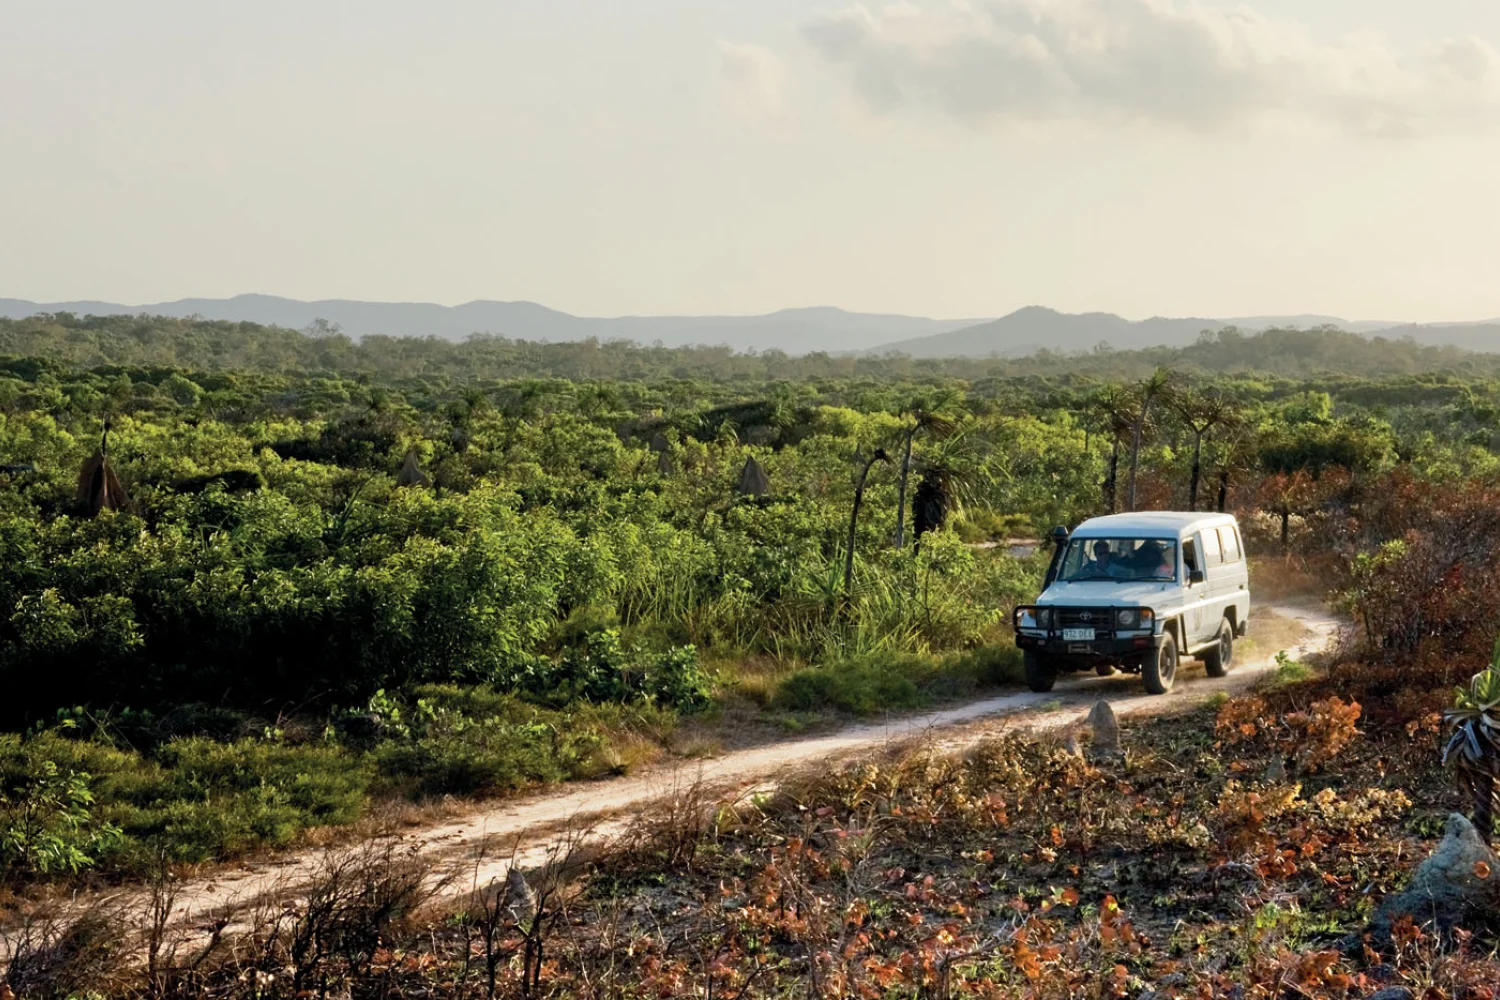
(1078, 635)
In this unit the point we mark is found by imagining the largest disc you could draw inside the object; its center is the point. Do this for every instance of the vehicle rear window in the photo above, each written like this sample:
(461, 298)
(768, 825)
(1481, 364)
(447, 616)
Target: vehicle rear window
(1231, 543)
(1212, 554)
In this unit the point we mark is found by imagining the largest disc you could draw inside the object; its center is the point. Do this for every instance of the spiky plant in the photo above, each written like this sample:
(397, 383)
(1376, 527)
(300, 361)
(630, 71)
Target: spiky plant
(1473, 749)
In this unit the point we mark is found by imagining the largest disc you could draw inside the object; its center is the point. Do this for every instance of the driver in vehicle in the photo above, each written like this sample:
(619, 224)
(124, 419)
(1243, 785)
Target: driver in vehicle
(1105, 564)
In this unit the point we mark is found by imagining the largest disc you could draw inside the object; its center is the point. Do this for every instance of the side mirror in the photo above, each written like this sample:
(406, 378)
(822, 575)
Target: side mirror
(1195, 577)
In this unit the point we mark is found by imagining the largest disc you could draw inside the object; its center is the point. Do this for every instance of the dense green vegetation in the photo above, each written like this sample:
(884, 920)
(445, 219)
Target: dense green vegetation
(250, 580)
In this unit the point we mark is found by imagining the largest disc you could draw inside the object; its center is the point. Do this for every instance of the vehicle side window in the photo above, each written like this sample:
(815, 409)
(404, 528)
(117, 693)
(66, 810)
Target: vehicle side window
(1231, 544)
(1190, 555)
(1212, 554)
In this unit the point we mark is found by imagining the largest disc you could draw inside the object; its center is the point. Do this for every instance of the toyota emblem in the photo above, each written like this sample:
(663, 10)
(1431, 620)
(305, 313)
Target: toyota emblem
(1086, 617)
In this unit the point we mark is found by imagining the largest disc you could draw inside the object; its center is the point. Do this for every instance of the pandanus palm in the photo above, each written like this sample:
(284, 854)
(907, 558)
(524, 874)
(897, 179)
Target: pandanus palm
(1202, 410)
(1473, 749)
(1159, 387)
(937, 414)
(956, 472)
(1113, 410)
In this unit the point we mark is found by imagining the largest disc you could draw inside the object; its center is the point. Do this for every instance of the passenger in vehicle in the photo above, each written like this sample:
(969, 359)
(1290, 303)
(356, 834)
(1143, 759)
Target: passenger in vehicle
(1155, 562)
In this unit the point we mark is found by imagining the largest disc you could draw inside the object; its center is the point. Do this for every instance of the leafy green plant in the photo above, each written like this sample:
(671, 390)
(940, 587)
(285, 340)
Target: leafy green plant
(47, 823)
(1473, 747)
(1290, 671)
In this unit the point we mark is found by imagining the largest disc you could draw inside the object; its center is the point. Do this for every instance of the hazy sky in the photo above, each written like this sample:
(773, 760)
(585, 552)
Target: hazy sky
(941, 157)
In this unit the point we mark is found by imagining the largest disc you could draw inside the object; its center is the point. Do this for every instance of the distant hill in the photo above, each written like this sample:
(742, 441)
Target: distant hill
(795, 331)
(1037, 328)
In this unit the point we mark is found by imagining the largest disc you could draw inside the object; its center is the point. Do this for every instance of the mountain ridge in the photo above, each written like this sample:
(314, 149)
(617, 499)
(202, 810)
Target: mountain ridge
(795, 330)
(1037, 328)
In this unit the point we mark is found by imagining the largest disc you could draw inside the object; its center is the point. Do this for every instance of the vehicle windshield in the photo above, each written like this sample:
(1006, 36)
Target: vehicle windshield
(1119, 559)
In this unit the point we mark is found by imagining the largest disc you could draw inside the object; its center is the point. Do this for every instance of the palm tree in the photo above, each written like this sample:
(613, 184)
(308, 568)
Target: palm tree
(1201, 411)
(955, 473)
(1112, 407)
(1147, 393)
(937, 414)
(859, 498)
(1473, 749)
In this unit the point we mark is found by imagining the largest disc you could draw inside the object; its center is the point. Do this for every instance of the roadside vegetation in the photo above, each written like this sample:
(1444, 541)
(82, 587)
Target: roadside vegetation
(1257, 847)
(252, 582)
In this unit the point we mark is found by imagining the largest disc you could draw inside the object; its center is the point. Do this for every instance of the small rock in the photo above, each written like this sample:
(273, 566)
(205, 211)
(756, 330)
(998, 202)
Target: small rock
(520, 900)
(1070, 745)
(1277, 771)
(1106, 730)
(1458, 885)
(1393, 993)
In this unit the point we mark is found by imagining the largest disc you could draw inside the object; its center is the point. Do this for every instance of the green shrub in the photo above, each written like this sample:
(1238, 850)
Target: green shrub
(206, 800)
(886, 682)
(455, 754)
(47, 818)
(862, 688)
(600, 669)
(676, 679)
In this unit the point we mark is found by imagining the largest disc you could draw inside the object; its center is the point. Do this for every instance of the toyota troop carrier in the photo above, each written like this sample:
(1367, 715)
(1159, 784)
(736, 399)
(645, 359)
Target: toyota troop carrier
(1138, 592)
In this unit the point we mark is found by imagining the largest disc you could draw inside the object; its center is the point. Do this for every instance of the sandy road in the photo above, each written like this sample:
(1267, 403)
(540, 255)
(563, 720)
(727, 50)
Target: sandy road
(482, 845)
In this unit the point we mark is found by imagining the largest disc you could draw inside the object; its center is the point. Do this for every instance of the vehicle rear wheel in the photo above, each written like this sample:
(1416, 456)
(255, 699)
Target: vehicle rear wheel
(1104, 669)
(1041, 671)
(1161, 670)
(1220, 658)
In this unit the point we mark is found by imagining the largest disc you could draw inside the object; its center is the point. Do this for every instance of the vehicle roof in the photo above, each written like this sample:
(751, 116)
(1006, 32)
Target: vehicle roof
(1148, 523)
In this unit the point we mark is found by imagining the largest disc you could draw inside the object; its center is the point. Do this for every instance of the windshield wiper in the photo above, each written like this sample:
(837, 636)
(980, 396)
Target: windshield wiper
(1091, 576)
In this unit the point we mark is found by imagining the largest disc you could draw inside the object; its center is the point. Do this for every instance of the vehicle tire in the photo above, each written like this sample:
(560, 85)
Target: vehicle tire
(1104, 669)
(1160, 671)
(1041, 671)
(1220, 658)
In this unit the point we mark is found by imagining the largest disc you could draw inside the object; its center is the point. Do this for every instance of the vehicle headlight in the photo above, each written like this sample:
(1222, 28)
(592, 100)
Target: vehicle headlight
(1126, 617)
(1044, 617)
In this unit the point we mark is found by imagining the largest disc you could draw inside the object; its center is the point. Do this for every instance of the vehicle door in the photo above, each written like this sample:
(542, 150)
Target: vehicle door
(1217, 584)
(1234, 575)
(1193, 593)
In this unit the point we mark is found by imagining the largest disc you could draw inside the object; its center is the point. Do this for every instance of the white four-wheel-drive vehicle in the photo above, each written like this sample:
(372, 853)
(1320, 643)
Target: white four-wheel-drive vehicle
(1138, 592)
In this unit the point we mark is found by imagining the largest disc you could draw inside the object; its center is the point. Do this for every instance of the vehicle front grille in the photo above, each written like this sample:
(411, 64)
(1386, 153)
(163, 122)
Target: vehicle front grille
(1098, 619)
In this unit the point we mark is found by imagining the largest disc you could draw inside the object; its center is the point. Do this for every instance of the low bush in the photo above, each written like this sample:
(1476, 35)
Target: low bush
(474, 740)
(47, 818)
(877, 683)
(600, 668)
(205, 799)
(456, 754)
(77, 795)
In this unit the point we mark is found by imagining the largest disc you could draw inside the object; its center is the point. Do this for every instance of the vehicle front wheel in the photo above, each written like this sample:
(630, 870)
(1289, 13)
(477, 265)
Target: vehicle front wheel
(1220, 658)
(1161, 671)
(1041, 671)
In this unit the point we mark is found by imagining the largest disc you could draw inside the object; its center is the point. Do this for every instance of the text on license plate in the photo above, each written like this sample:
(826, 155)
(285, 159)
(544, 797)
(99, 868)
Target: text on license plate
(1078, 635)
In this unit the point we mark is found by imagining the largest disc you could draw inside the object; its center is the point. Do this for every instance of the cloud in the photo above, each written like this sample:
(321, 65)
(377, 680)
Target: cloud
(755, 77)
(1180, 63)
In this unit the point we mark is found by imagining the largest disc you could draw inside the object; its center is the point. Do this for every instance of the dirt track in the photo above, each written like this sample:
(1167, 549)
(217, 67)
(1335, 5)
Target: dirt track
(482, 845)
